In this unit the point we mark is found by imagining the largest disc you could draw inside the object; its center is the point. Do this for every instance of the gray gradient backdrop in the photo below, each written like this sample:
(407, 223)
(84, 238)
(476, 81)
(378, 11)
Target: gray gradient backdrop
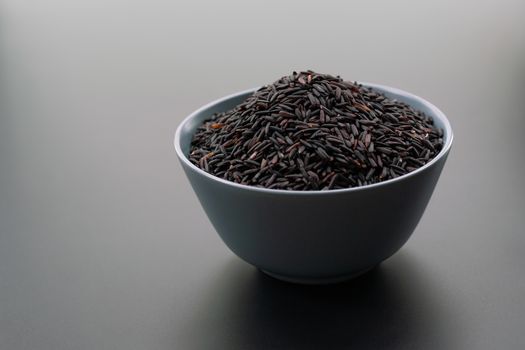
(104, 246)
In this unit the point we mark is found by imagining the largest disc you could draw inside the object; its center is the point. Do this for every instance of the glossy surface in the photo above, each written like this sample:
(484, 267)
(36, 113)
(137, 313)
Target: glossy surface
(103, 244)
(314, 237)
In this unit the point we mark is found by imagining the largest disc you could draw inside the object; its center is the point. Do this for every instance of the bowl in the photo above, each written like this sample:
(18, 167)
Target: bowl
(314, 236)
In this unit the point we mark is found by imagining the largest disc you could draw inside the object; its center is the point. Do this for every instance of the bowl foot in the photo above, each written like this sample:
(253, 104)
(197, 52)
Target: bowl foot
(321, 280)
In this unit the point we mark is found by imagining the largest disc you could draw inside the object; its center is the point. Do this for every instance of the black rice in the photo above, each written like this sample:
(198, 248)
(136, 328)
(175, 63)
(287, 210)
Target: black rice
(311, 131)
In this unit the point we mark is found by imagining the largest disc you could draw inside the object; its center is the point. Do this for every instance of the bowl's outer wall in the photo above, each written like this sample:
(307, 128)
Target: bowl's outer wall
(312, 235)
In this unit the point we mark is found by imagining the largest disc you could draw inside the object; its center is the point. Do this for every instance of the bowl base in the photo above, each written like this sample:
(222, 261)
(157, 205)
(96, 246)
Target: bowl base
(322, 280)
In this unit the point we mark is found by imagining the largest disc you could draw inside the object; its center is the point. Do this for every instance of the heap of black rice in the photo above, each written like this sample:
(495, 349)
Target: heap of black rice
(311, 131)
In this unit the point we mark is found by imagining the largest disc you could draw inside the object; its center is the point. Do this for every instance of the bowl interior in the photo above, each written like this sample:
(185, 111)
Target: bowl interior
(187, 128)
(440, 120)
(191, 123)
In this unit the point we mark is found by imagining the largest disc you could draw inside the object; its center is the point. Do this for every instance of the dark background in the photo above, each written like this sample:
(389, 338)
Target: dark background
(103, 245)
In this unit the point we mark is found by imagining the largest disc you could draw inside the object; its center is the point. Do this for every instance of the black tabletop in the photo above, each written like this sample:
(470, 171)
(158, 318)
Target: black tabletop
(103, 244)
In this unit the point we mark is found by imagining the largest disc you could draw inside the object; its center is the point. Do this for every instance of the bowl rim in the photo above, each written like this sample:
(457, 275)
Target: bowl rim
(435, 113)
